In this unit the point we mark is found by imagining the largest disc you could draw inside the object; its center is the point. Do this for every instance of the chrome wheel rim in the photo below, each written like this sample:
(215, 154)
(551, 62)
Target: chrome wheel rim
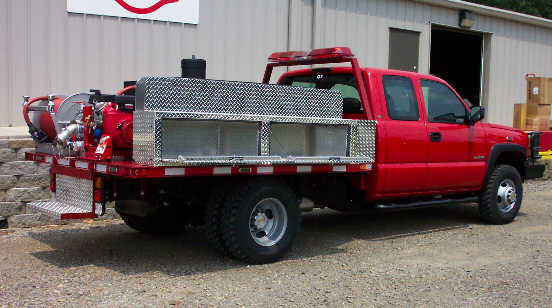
(268, 222)
(506, 196)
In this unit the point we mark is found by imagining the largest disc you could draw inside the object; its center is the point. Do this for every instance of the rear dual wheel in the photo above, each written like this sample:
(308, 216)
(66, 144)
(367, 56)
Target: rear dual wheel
(256, 222)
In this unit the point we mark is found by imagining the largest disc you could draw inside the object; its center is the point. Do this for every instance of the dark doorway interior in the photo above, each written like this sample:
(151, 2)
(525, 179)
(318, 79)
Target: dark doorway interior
(456, 57)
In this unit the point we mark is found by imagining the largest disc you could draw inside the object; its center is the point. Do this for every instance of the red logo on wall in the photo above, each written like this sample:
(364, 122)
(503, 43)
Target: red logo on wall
(146, 10)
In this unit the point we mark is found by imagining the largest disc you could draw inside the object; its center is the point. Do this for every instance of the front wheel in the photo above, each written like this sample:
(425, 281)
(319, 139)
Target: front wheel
(260, 221)
(501, 197)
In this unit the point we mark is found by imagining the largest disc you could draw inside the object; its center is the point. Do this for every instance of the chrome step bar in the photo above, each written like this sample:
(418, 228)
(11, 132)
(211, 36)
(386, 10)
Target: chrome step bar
(425, 203)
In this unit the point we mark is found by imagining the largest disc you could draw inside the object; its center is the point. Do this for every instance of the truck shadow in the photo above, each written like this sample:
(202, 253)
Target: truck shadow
(117, 247)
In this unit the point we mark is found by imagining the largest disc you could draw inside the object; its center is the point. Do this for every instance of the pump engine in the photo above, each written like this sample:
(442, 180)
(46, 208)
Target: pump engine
(93, 125)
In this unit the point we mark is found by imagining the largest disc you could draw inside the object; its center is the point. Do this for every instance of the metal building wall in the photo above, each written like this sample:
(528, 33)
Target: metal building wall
(46, 50)
(43, 49)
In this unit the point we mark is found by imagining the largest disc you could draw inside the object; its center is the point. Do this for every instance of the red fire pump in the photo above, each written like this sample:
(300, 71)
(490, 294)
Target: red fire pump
(92, 125)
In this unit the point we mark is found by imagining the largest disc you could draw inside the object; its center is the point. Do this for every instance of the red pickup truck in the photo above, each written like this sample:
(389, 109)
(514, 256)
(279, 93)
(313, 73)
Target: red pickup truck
(430, 142)
(399, 139)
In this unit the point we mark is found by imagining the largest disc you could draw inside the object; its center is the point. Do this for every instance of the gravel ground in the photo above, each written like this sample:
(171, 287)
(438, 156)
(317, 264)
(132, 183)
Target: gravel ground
(440, 256)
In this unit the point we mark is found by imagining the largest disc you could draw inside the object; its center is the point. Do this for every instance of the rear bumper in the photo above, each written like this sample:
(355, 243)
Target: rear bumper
(533, 171)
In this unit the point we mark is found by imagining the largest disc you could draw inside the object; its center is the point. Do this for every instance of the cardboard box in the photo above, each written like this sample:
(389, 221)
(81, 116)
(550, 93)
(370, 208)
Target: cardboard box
(539, 91)
(520, 114)
(533, 111)
(538, 123)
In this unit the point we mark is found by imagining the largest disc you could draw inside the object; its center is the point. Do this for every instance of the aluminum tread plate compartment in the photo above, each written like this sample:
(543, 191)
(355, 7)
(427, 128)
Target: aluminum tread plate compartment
(149, 146)
(75, 191)
(172, 94)
(59, 210)
(73, 200)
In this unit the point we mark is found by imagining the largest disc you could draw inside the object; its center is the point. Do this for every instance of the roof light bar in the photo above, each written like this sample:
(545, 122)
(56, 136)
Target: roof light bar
(334, 52)
(287, 56)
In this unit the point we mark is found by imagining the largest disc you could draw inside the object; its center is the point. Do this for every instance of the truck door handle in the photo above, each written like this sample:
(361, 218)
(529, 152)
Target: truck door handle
(435, 137)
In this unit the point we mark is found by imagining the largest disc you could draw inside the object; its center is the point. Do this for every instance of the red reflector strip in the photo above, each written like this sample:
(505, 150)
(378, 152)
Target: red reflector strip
(98, 195)
(77, 216)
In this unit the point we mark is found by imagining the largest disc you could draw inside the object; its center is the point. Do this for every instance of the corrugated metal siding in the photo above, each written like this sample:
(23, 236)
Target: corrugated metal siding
(46, 50)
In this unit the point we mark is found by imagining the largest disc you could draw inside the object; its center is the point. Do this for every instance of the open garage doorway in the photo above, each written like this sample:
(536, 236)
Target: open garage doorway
(457, 57)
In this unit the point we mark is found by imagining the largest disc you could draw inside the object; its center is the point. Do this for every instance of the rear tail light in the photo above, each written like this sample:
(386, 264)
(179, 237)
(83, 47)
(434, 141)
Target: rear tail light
(334, 52)
(98, 189)
(286, 56)
(98, 195)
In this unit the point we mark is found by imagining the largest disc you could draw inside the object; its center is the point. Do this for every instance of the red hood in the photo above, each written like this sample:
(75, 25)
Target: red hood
(505, 134)
(504, 127)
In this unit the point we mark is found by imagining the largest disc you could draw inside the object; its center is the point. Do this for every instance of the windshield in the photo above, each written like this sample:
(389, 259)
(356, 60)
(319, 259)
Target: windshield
(342, 83)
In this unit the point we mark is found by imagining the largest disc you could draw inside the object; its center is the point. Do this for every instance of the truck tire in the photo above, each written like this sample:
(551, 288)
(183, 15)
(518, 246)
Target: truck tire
(155, 225)
(501, 196)
(260, 221)
(212, 218)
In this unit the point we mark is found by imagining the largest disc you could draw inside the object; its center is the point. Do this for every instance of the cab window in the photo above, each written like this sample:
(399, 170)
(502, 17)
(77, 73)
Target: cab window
(342, 83)
(442, 105)
(400, 98)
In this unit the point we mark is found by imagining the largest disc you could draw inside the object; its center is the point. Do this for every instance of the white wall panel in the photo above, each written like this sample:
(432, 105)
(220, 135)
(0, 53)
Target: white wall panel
(5, 51)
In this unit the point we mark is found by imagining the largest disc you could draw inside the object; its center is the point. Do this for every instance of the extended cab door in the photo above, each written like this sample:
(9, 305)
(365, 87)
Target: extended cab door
(456, 149)
(402, 160)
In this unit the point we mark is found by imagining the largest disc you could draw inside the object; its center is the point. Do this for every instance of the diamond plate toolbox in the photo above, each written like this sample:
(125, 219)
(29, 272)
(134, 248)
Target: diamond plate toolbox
(195, 122)
(171, 94)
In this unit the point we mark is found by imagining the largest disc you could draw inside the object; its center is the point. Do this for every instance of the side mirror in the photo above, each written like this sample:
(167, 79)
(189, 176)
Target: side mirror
(477, 114)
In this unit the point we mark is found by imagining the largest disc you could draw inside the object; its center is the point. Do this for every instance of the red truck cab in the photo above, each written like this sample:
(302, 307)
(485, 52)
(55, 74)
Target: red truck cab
(431, 144)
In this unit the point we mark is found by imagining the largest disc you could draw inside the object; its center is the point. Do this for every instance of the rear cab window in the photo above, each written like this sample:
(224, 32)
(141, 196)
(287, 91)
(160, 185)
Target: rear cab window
(400, 98)
(342, 83)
